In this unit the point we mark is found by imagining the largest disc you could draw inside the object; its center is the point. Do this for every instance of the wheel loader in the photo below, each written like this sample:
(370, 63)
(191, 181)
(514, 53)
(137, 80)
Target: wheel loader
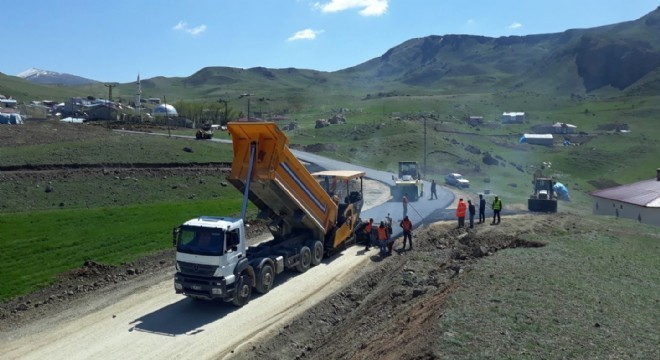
(544, 198)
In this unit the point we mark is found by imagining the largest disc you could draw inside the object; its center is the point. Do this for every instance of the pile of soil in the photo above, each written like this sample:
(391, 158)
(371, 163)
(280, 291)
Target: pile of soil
(392, 310)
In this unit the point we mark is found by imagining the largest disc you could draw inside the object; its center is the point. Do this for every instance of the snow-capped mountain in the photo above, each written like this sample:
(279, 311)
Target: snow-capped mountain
(46, 77)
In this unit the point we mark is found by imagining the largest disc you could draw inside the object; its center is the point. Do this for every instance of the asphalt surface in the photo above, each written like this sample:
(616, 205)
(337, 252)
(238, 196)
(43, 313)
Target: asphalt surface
(420, 212)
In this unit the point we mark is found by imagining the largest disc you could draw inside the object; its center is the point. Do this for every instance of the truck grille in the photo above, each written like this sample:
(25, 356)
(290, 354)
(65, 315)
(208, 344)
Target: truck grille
(196, 269)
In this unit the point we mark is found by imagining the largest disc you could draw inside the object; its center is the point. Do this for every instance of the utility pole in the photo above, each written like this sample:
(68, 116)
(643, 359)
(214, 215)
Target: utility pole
(110, 86)
(138, 98)
(221, 100)
(248, 95)
(424, 147)
(167, 117)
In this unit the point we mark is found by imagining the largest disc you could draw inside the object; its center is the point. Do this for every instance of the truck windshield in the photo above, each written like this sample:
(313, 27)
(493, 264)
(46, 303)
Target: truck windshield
(201, 241)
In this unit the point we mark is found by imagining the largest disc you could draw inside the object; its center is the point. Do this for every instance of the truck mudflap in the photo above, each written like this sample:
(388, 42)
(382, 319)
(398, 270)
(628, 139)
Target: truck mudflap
(203, 287)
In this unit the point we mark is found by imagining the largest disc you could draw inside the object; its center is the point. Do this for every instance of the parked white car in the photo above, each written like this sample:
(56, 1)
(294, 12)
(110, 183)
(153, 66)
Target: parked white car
(457, 180)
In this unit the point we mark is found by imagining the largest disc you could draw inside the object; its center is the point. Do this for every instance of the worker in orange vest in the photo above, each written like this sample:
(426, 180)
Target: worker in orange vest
(407, 226)
(367, 234)
(383, 235)
(460, 212)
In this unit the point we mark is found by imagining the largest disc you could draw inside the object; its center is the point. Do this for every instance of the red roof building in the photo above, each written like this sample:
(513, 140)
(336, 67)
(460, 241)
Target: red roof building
(639, 201)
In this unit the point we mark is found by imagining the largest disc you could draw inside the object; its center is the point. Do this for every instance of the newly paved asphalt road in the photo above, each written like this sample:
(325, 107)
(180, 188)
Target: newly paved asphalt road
(420, 212)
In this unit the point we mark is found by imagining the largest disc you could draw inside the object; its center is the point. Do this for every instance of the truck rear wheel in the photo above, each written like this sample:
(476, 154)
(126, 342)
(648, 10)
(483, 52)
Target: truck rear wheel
(242, 291)
(265, 279)
(317, 252)
(305, 259)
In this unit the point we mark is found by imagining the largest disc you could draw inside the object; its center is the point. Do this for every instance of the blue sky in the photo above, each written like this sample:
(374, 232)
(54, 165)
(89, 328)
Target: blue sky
(115, 40)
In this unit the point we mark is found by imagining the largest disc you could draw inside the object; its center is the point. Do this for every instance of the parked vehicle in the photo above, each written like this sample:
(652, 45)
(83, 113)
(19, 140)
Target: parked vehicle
(213, 260)
(457, 180)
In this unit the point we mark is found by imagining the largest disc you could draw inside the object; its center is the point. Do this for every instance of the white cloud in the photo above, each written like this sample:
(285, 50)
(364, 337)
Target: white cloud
(183, 26)
(180, 26)
(515, 25)
(369, 7)
(307, 34)
(470, 22)
(196, 30)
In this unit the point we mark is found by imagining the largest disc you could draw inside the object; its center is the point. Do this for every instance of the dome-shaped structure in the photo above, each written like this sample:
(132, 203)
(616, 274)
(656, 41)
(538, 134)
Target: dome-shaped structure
(164, 110)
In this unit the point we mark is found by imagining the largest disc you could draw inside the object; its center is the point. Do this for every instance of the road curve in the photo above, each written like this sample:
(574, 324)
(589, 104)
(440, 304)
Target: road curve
(150, 321)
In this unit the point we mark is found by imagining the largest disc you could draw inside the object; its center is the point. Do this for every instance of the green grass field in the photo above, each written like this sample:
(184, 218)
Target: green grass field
(39, 245)
(591, 294)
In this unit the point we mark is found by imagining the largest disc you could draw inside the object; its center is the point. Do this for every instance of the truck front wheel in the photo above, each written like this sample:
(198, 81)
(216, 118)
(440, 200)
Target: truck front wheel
(305, 259)
(265, 279)
(242, 291)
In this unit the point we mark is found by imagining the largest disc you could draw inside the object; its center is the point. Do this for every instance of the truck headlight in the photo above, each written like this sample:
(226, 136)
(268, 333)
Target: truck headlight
(178, 286)
(216, 291)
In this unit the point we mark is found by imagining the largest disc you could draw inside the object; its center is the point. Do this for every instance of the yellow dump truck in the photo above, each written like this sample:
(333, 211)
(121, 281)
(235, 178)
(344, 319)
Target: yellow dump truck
(307, 220)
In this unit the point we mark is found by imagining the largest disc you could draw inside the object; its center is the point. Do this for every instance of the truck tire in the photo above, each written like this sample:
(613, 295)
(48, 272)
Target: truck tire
(242, 291)
(317, 252)
(265, 279)
(305, 259)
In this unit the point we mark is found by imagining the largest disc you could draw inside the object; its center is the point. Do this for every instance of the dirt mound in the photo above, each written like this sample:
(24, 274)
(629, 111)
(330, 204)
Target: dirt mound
(391, 311)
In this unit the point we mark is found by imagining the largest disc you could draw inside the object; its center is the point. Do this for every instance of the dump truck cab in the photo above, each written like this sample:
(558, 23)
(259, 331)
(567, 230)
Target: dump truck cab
(208, 248)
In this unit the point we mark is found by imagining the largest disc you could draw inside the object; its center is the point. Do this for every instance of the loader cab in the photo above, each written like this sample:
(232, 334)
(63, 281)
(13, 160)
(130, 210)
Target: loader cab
(347, 186)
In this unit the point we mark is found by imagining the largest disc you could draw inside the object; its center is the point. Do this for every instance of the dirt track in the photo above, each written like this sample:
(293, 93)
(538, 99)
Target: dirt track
(144, 318)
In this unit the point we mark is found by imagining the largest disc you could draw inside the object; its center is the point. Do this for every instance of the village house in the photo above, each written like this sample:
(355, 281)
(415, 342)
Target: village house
(513, 117)
(537, 139)
(639, 201)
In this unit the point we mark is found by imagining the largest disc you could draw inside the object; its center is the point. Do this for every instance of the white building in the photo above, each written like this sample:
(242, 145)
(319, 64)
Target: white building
(537, 139)
(513, 117)
(639, 201)
(165, 110)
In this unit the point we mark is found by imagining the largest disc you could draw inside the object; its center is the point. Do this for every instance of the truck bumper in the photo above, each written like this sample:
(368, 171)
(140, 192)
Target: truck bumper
(203, 287)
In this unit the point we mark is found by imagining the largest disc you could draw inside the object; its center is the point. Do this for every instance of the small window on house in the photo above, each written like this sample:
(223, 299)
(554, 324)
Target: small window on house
(621, 207)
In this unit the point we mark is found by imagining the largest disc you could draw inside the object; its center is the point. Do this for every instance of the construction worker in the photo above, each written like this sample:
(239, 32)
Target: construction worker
(367, 234)
(482, 209)
(434, 192)
(471, 211)
(460, 212)
(407, 226)
(404, 200)
(382, 238)
(497, 207)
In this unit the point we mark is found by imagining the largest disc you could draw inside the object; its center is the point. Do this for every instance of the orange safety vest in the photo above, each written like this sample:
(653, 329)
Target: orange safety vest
(406, 225)
(382, 233)
(460, 209)
(368, 228)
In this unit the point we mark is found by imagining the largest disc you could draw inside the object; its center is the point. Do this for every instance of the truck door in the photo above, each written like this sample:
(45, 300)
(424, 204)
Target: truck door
(233, 252)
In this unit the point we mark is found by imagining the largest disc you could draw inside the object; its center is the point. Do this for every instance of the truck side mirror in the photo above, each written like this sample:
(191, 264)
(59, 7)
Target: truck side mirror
(175, 235)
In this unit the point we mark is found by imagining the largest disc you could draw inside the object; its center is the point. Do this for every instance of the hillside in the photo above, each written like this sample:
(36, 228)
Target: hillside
(623, 57)
(578, 60)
